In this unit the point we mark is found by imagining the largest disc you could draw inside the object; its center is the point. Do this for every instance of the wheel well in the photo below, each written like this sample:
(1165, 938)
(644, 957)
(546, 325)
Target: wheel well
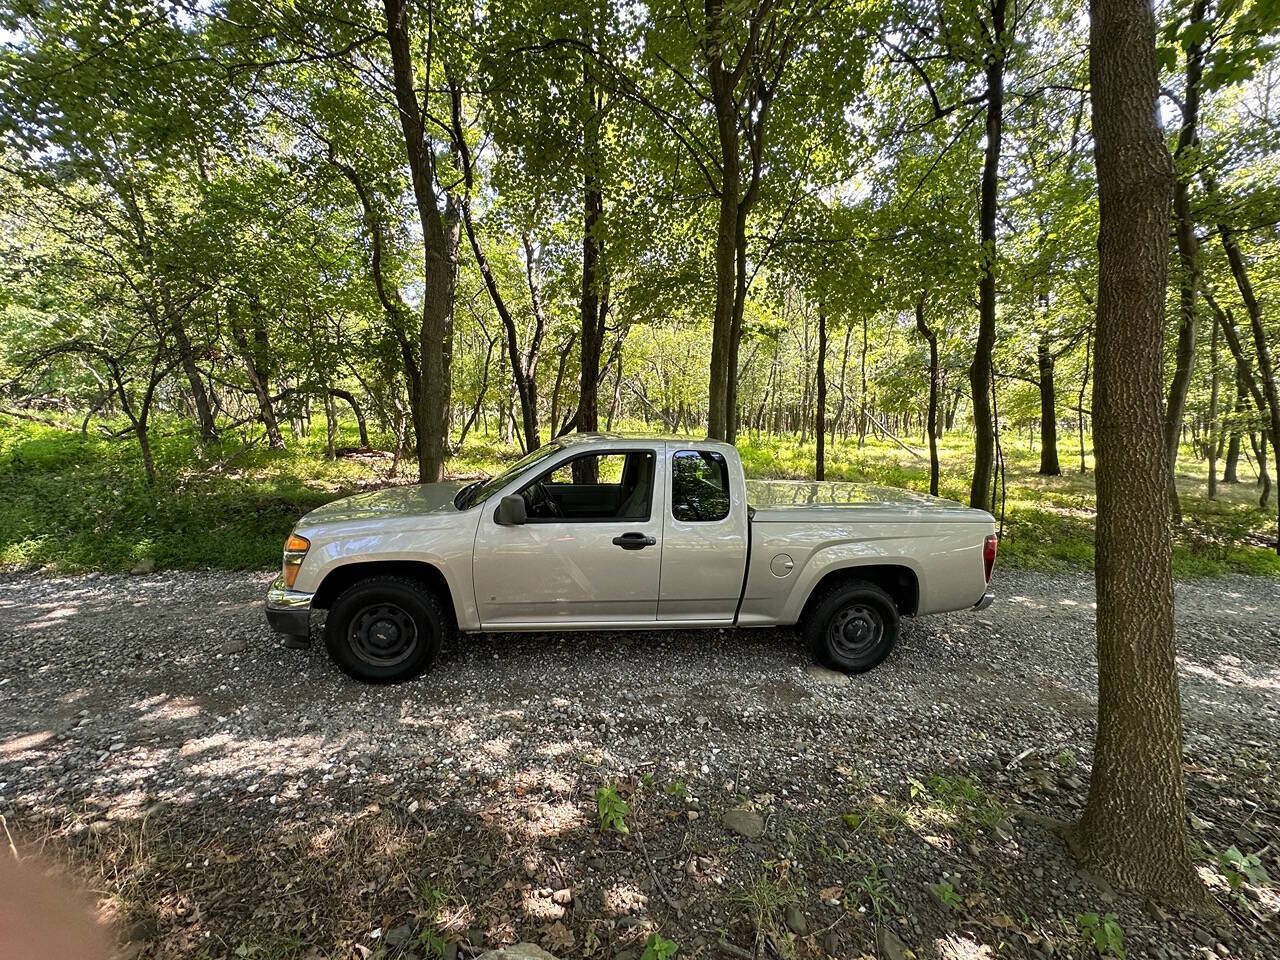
(338, 579)
(893, 578)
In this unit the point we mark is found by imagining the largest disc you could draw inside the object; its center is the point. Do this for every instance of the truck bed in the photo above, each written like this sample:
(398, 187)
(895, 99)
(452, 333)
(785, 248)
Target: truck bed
(786, 501)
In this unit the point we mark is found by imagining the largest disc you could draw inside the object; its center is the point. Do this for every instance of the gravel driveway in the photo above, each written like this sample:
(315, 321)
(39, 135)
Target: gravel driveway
(225, 794)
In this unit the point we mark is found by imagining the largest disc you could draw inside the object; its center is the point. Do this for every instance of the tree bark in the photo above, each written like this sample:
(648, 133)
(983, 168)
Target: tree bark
(1266, 370)
(254, 356)
(980, 370)
(1049, 466)
(440, 234)
(1188, 261)
(932, 425)
(1211, 440)
(592, 314)
(820, 402)
(1231, 461)
(1084, 385)
(350, 399)
(1133, 830)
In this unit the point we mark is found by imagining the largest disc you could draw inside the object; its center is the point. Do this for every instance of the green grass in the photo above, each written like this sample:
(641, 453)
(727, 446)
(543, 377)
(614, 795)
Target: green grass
(73, 502)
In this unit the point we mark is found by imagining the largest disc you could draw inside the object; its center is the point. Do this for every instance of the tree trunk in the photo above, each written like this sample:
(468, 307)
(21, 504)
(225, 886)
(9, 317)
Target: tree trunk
(1259, 443)
(1084, 385)
(820, 404)
(1048, 412)
(1231, 462)
(350, 399)
(1266, 370)
(723, 102)
(440, 234)
(1188, 262)
(980, 370)
(931, 426)
(1133, 830)
(1211, 440)
(592, 316)
(253, 356)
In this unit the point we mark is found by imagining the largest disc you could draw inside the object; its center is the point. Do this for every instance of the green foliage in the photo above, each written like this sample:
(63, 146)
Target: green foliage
(657, 948)
(612, 810)
(873, 888)
(947, 894)
(1105, 933)
(1240, 868)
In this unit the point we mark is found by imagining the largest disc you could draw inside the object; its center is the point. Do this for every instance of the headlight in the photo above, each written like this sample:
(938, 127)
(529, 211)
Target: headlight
(295, 548)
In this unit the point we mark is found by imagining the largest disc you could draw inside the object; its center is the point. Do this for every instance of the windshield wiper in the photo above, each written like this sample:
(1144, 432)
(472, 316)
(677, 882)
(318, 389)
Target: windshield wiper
(460, 498)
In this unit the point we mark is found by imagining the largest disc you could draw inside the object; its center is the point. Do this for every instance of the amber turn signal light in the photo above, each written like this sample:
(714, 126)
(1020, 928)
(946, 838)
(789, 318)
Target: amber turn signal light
(295, 548)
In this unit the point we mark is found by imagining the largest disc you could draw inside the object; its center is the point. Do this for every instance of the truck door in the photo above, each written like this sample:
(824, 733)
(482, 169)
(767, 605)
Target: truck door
(589, 552)
(704, 540)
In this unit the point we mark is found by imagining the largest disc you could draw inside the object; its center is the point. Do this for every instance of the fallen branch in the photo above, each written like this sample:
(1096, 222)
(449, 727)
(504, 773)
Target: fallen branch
(673, 904)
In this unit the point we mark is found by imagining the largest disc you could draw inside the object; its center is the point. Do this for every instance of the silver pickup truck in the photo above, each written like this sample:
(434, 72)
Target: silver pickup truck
(602, 532)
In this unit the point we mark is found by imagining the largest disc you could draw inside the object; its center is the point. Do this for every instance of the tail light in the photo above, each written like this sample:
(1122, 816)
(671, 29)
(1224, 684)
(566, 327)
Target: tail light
(989, 556)
(295, 549)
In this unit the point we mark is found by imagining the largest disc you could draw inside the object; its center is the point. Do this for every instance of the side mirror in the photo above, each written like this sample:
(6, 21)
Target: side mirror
(511, 511)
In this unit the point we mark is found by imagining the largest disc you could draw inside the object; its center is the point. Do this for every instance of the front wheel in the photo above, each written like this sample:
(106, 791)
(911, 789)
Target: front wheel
(385, 630)
(852, 627)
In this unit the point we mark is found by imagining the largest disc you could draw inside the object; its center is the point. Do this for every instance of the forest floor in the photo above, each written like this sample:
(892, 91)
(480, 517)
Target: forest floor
(76, 502)
(226, 797)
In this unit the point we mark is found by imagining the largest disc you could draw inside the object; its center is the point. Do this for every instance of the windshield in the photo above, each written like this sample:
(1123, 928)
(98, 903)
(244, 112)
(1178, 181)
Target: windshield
(483, 489)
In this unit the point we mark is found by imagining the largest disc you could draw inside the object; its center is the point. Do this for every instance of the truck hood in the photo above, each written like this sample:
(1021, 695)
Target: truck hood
(788, 499)
(410, 501)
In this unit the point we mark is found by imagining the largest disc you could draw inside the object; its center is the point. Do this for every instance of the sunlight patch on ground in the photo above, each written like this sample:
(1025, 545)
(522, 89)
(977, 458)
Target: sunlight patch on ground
(956, 946)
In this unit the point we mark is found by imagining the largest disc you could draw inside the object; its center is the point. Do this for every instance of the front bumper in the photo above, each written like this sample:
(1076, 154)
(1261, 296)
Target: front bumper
(988, 598)
(288, 611)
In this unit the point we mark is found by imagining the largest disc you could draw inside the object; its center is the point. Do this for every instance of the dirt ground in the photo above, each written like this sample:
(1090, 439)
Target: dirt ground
(227, 797)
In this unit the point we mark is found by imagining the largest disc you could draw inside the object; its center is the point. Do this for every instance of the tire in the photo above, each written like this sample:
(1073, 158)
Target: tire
(386, 629)
(852, 627)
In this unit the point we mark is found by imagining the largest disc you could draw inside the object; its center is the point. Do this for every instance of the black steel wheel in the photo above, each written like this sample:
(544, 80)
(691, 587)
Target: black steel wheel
(852, 627)
(385, 629)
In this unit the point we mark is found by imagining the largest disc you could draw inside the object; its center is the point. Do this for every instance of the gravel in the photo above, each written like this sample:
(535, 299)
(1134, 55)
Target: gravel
(164, 698)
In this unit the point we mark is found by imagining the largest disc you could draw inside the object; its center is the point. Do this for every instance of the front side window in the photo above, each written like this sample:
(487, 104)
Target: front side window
(593, 487)
(699, 485)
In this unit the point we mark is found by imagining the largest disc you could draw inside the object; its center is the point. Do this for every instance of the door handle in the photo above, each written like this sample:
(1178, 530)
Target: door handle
(633, 541)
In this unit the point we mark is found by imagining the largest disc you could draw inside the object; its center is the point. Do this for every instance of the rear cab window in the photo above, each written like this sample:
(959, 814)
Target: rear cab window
(699, 486)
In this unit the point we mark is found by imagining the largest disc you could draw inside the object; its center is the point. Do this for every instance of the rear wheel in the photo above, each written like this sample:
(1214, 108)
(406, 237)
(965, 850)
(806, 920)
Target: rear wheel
(852, 627)
(385, 629)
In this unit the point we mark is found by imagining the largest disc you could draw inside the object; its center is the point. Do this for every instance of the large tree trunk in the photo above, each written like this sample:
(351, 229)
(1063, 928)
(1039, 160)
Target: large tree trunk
(440, 235)
(932, 425)
(1133, 830)
(1188, 262)
(980, 380)
(1048, 412)
(820, 402)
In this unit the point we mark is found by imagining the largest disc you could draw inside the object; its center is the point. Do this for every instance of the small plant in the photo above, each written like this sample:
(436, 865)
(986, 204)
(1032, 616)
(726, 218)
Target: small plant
(677, 788)
(947, 894)
(1240, 868)
(612, 810)
(1105, 933)
(658, 948)
(874, 886)
(1066, 759)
